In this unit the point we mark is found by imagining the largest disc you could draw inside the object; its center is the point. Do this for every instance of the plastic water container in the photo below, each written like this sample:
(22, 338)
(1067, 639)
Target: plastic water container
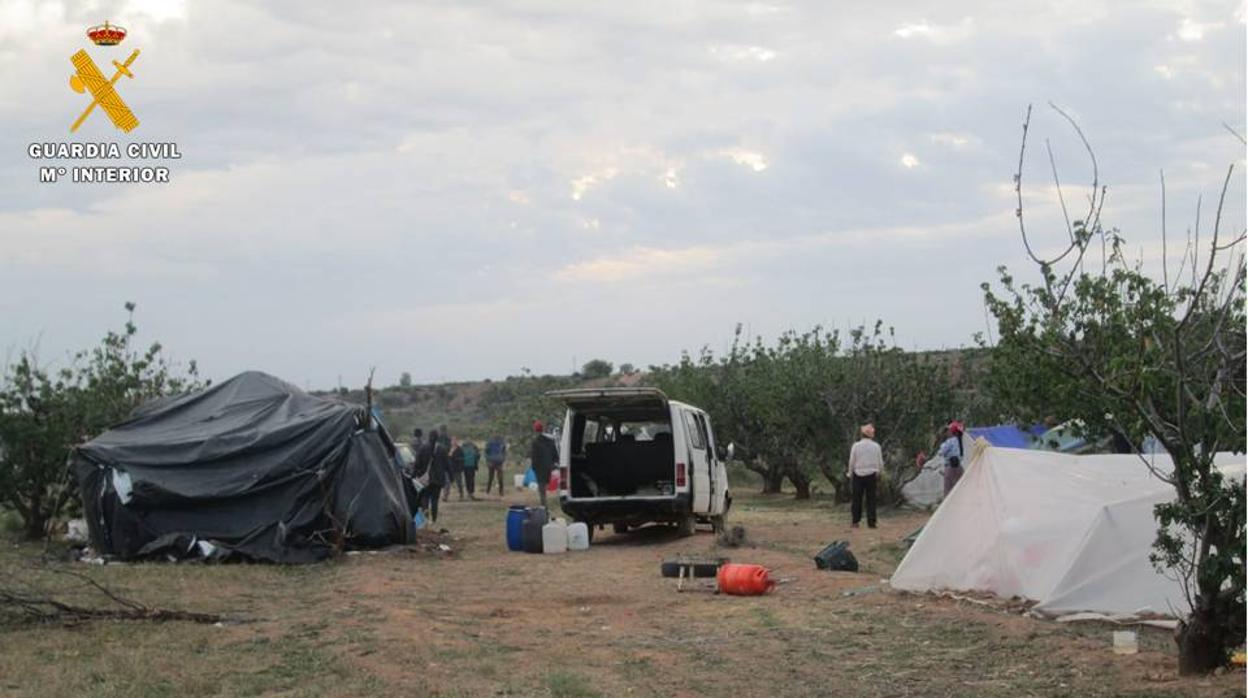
(516, 516)
(531, 530)
(518, 479)
(578, 536)
(555, 537)
(1125, 642)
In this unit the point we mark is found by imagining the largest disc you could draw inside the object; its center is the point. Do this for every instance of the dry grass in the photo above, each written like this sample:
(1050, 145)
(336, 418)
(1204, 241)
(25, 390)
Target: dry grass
(489, 622)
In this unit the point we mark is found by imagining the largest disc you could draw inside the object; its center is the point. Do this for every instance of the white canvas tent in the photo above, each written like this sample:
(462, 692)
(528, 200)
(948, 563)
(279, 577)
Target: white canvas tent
(1070, 532)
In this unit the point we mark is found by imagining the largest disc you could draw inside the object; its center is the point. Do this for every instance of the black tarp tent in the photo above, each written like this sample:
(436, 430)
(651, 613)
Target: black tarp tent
(252, 467)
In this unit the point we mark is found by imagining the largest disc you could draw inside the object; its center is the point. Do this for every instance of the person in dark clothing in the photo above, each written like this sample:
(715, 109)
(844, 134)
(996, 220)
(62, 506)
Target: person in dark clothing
(495, 456)
(418, 440)
(544, 454)
(470, 457)
(434, 459)
(457, 471)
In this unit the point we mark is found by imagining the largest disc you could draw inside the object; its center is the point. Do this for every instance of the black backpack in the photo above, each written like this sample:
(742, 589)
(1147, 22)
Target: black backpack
(836, 558)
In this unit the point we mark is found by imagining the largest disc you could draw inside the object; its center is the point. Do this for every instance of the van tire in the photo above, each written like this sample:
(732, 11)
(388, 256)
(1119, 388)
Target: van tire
(619, 528)
(685, 525)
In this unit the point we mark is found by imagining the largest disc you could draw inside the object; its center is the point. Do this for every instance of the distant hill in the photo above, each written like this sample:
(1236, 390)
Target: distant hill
(478, 409)
(472, 408)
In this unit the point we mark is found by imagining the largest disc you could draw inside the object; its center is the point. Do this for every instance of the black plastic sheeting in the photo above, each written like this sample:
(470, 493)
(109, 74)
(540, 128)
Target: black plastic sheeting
(251, 468)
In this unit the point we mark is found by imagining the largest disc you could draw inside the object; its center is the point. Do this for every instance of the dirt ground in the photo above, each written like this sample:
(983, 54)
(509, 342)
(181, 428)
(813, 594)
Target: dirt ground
(483, 621)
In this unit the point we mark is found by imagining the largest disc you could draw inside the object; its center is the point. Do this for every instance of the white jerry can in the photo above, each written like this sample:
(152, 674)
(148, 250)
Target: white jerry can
(519, 480)
(578, 536)
(555, 537)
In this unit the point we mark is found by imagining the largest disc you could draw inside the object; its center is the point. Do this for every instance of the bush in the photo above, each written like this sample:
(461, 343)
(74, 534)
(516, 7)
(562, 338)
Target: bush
(44, 413)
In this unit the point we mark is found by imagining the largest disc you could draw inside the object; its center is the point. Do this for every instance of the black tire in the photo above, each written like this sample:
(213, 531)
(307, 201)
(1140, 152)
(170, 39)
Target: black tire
(671, 568)
(685, 526)
(619, 528)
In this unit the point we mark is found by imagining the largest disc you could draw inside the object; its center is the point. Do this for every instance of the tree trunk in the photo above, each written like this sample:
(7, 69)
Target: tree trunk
(771, 475)
(1206, 638)
(801, 482)
(840, 485)
(35, 525)
(1200, 652)
(773, 479)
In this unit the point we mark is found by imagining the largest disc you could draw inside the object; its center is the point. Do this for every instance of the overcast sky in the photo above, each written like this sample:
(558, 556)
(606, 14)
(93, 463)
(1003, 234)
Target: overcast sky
(460, 190)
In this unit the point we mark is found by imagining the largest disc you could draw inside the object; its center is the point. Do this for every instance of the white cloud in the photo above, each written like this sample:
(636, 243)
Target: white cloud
(955, 140)
(937, 33)
(743, 53)
(639, 262)
(671, 178)
(157, 10)
(1191, 30)
(586, 182)
(754, 160)
(909, 161)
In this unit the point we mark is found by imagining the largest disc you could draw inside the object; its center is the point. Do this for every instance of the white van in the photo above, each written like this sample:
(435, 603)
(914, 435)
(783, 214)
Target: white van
(630, 456)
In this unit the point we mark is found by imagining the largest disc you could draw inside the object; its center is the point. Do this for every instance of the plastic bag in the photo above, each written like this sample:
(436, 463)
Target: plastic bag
(836, 558)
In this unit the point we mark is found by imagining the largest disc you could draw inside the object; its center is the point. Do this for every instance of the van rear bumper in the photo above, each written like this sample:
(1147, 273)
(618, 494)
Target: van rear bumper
(633, 511)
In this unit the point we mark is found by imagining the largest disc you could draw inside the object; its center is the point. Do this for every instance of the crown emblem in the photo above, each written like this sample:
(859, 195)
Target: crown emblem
(106, 34)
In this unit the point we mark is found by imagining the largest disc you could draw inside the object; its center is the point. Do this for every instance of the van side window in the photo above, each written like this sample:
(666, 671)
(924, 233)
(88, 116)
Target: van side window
(706, 431)
(697, 439)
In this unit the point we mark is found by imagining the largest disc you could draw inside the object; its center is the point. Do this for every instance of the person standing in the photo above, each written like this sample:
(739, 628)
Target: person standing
(951, 451)
(456, 472)
(544, 454)
(495, 456)
(434, 460)
(865, 462)
(471, 457)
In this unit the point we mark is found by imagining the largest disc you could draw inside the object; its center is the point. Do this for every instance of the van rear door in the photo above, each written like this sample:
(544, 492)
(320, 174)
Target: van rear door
(612, 398)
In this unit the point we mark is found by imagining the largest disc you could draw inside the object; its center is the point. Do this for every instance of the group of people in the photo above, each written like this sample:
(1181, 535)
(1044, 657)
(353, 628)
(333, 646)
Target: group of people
(866, 460)
(443, 460)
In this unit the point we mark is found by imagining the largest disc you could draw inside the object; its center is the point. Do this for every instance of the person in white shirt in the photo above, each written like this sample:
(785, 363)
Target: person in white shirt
(865, 461)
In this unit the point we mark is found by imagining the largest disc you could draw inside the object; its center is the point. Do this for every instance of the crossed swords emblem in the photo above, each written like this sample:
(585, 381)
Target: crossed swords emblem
(89, 78)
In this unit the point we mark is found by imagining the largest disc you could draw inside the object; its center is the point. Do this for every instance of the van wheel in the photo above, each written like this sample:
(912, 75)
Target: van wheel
(619, 528)
(718, 524)
(685, 525)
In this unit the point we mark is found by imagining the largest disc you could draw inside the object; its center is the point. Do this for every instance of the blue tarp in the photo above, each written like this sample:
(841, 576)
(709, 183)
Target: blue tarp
(1008, 435)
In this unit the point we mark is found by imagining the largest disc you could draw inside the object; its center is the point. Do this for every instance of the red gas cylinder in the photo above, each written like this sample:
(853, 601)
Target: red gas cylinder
(744, 580)
(553, 485)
